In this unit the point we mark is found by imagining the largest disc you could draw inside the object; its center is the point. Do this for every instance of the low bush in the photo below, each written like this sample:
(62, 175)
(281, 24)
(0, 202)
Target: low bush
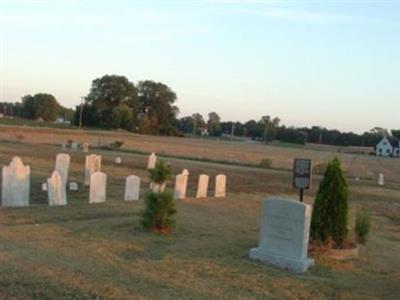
(116, 145)
(363, 225)
(266, 163)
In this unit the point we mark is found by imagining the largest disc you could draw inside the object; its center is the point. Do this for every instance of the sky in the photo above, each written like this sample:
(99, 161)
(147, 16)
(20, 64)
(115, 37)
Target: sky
(334, 64)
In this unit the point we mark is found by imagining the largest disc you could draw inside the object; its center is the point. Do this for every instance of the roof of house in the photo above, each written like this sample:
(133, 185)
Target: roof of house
(393, 141)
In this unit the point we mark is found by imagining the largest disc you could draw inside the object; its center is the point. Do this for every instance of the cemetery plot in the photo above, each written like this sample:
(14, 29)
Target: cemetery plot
(87, 250)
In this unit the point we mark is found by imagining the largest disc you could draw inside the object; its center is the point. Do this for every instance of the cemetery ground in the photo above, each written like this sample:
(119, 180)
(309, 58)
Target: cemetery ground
(99, 251)
(228, 152)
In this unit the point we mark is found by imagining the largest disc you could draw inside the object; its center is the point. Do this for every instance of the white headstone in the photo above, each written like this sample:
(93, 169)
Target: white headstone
(152, 161)
(16, 184)
(74, 146)
(85, 147)
(284, 234)
(202, 186)
(220, 186)
(118, 160)
(57, 191)
(44, 186)
(62, 166)
(180, 186)
(132, 188)
(98, 187)
(92, 165)
(73, 186)
(157, 188)
(381, 179)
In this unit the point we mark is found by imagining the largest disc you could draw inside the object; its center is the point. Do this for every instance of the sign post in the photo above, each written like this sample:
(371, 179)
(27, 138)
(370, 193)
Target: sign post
(302, 175)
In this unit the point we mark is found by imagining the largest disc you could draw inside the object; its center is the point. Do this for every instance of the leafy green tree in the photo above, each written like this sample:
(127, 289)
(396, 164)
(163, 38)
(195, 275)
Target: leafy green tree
(122, 117)
(198, 122)
(185, 124)
(214, 124)
(41, 105)
(47, 107)
(29, 107)
(253, 129)
(107, 93)
(329, 217)
(156, 103)
(396, 133)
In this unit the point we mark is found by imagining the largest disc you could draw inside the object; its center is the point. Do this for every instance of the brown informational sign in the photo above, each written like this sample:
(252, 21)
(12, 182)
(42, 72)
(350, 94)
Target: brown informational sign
(302, 173)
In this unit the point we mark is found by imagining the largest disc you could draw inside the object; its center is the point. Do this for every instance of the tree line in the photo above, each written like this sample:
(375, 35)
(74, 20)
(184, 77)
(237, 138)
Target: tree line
(115, 102)
(40, 106)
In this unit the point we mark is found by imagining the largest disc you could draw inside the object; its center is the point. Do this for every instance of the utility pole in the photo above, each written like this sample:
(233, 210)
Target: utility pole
(194, 126)
(232, 131)
(81, 113)
(265, 132)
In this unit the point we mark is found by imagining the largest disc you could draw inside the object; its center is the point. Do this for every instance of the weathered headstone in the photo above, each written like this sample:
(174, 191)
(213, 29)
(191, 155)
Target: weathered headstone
(180, 186)
(44, 186)
(381, 179)
(220, 186)
(132, 188)
(202, 186)
(62, 166)
(98, 187)
(73, 186)
(74, 146)
(92, 165)
(152, 161)
(157, 188)
(57, 191)
(85, 147)
(284, 234)
(15, 184)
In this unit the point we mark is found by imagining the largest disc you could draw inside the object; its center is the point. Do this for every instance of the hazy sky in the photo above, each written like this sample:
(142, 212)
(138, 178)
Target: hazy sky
(334, 64)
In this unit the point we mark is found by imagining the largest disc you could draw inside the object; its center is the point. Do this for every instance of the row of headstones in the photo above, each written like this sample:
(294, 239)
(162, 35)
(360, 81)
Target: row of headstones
(16, 182)
(76, 146)
(181, 181)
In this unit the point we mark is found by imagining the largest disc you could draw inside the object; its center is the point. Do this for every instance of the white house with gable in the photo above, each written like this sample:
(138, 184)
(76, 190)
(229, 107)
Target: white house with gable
(388, 146)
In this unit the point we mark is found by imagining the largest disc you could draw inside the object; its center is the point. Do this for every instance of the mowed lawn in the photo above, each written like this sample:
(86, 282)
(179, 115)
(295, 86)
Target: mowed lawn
(99, 251)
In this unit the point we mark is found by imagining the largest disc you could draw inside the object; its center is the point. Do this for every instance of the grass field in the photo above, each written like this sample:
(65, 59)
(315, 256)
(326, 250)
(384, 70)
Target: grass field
(98, 251)
(355, 165)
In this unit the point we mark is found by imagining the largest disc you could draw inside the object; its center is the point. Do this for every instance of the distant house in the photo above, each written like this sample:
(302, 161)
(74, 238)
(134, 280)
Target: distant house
(388, 146)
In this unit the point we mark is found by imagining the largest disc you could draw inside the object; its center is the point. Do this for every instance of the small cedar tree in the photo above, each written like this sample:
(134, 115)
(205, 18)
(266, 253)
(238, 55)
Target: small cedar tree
(329, 217)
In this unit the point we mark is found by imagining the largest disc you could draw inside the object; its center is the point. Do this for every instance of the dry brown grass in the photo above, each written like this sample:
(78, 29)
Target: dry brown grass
(363, 166)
